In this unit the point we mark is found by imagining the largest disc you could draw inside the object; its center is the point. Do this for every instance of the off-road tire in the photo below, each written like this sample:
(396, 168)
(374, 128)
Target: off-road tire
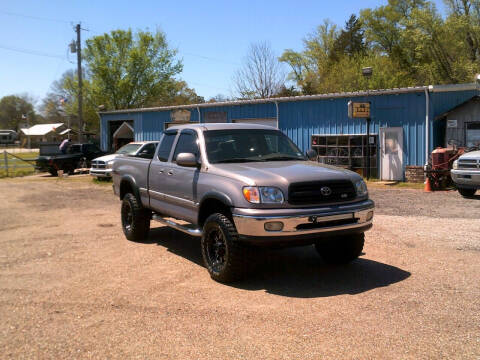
(53, 172)
(234, 265)
(468, 193)
(135, 219)
(341, 250)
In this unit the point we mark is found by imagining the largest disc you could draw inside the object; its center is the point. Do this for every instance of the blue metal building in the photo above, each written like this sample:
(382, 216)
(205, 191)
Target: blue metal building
(410, 111)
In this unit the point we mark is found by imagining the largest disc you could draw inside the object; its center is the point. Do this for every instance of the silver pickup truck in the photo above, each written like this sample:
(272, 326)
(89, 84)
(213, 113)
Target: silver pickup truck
(466, 173)
(238, 186)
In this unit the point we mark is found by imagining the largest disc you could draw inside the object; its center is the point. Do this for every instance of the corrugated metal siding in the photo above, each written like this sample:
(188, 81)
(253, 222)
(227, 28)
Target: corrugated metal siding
(300, 119)
(249, 111)
(153, 125)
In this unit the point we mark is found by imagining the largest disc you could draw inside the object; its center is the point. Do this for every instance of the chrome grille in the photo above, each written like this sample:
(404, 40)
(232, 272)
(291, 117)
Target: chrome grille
(309, 193)
(468, 164)
(97, 164)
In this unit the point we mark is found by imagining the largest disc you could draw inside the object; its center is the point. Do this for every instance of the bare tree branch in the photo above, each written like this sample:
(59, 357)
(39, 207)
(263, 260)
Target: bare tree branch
(261, 75)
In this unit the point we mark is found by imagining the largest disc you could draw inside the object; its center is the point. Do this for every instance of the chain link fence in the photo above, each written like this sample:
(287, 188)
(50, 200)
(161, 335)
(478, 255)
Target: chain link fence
(19, 162)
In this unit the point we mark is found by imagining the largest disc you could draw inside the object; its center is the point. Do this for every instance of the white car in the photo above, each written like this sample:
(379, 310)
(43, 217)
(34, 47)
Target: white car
(102, 166)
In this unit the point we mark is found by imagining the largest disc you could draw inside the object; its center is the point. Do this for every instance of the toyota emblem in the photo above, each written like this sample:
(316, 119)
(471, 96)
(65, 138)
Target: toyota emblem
(325, 191)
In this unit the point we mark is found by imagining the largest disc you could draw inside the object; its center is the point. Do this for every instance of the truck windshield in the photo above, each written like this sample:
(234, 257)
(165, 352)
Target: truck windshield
(248, 145)
(129, 149)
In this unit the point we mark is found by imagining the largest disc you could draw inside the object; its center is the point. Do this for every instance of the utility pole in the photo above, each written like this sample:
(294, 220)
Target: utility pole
(80, 85)
(367, 72)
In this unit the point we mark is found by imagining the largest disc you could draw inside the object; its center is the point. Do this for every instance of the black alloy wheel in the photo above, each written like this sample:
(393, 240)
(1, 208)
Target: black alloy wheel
(127, 216)
(216, 249)
(135, 218)
(224, 256)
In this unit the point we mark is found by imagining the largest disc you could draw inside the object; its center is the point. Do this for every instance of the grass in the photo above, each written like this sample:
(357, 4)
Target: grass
(395, 184)
(101, 182)
(16, 167)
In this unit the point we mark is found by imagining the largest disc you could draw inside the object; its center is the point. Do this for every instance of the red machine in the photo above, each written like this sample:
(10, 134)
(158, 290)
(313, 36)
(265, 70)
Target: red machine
(438, 168)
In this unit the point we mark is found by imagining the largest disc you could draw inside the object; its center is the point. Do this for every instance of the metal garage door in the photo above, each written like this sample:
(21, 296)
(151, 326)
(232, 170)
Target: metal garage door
(264, 121)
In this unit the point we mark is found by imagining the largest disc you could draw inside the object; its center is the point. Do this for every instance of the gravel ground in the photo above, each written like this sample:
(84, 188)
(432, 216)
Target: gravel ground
(71, 285)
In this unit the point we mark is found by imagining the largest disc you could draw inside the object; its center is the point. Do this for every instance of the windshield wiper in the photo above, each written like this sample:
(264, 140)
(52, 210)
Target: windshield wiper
(238, 160)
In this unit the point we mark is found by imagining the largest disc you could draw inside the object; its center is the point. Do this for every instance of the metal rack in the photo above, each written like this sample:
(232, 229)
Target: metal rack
(348, 151)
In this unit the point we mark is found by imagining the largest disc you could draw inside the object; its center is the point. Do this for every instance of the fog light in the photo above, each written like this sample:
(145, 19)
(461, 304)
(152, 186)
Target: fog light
(369, 215)
(274, 226)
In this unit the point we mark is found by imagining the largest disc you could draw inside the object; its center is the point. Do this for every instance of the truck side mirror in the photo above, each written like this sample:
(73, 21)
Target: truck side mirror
(311, 154)
(187, 160)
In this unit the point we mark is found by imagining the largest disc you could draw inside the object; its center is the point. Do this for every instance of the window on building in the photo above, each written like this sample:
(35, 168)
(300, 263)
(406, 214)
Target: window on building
(473, 134)
(166, 146)
(187, 143)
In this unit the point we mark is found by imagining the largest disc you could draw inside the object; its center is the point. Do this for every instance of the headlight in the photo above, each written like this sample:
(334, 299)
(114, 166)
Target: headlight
(361, 188)
(263, 194)
(109, 164)
(455, 165)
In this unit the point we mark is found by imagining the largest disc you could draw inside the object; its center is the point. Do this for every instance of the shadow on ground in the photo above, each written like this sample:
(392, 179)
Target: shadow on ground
(295, 272)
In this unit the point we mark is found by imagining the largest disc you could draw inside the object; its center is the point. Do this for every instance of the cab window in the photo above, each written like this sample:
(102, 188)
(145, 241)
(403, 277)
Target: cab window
(165, 146)
(187, 143)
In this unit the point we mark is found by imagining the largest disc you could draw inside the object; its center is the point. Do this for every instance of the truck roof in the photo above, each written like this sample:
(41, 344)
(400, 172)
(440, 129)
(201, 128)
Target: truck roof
(221, 126)
(143, 142)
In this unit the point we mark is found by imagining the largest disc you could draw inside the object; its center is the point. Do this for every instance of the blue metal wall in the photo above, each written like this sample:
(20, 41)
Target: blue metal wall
(300, 119)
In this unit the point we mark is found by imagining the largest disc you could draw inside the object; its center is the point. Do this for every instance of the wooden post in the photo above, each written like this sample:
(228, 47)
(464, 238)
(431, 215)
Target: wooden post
(6, 161)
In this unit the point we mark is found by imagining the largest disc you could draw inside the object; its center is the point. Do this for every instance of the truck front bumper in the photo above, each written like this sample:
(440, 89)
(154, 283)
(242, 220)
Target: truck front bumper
(103, 173)
(466, 179)
(277, 225)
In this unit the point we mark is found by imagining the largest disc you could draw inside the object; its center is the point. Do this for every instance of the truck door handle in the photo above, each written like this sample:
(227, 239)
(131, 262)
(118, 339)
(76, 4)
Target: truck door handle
(161, 171)
(170, 173)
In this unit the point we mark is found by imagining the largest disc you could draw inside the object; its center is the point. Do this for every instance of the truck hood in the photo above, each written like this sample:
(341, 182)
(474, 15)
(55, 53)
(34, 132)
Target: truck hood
(471, 155)
(106, 157)
(282, 173)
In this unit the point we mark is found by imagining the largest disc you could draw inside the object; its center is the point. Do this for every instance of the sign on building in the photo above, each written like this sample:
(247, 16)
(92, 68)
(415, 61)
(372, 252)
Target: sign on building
(180, 116)
(215, 117)
(358, 109)
(451, 123)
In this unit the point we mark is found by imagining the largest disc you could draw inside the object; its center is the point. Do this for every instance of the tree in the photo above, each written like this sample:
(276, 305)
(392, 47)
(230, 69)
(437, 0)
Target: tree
(12, 108)
(407, 42)
(178, 93)
(130, 70)
(310, 66)
(67, 88)
(219, 98)
(261, 75)
(350, 41)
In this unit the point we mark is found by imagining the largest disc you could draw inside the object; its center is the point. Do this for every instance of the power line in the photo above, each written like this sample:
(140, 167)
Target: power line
(31, 52)
(34, 17)
(210, 58)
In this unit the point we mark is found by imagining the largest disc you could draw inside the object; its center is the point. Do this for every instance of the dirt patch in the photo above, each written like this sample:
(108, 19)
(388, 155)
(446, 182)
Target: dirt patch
(72, 286)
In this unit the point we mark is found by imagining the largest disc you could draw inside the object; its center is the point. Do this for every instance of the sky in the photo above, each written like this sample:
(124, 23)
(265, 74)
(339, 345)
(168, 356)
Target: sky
(212, 37)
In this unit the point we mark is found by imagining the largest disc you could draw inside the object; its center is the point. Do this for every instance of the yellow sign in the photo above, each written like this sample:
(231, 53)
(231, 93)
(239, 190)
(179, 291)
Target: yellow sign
(358, 110)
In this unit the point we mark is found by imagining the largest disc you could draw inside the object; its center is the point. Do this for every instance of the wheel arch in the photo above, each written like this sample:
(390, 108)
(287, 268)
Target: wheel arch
(214, 202)
(128, 185)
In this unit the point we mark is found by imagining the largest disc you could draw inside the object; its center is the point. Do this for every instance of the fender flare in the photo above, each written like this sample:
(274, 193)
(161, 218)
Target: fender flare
(217, 196)
(133, 184)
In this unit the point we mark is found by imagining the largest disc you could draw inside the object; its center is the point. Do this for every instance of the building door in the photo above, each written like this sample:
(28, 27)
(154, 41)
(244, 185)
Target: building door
(391, 158)
(122, 136)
